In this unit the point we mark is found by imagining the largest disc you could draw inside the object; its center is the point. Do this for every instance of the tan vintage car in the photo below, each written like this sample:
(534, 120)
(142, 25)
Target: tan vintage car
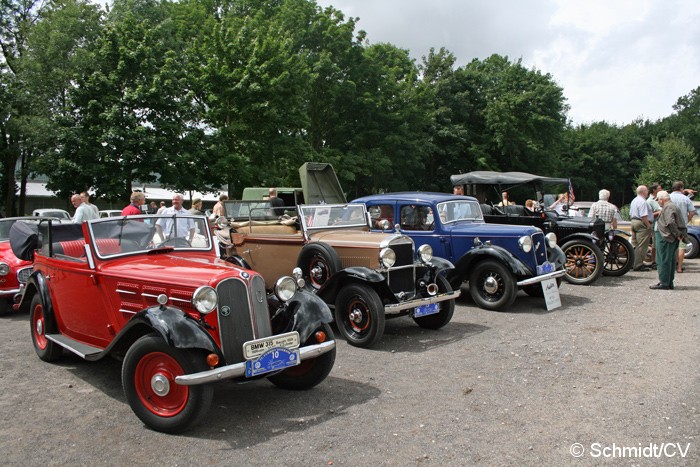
(368, 276)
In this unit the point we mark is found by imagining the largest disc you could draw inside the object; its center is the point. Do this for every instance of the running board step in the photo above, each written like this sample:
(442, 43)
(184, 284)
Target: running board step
(83, 350)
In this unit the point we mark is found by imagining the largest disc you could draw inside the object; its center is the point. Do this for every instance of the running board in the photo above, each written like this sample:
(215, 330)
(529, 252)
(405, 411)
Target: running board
(85, 351)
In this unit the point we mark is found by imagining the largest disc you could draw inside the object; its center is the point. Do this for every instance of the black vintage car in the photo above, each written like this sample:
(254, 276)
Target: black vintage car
(581, 238)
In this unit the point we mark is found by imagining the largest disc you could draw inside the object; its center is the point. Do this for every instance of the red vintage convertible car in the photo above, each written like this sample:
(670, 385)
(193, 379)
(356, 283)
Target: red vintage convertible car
(178, 316)
(14, 272)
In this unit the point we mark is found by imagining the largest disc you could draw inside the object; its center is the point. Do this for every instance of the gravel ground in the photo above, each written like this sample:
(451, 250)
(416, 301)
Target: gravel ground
(615, 368)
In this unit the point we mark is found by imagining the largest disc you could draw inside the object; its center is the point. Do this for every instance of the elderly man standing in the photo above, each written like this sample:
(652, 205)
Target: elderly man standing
(669, 229)
(83, 211)
(138, 199)
(679, 198)
(642, 217)
(604, 210)
(170, 228)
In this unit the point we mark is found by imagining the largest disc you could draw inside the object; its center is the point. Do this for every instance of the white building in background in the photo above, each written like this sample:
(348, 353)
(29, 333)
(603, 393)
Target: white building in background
(38, 196)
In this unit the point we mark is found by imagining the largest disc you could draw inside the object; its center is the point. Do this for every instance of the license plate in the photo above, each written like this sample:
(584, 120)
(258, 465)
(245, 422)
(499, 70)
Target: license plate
(545, 268)
(425, 310)
(252, 349)
(272, 360)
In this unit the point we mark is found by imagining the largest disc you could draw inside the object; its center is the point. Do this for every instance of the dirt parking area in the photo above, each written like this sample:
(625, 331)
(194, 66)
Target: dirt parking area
(610, 377)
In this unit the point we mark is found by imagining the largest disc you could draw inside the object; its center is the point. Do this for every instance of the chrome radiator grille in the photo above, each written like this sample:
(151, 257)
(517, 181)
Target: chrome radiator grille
(402, 279)
(263, 328)
(23, 275)
(539, 248)
(238, 321)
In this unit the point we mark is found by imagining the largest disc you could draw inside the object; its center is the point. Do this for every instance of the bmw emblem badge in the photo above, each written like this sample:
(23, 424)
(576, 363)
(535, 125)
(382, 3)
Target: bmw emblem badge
(225, 311)
(245, 275)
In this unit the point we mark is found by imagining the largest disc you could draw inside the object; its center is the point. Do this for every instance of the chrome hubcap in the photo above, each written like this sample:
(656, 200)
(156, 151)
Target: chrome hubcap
(160, 385)
(491, 285)
(355, 316)
(316, 272)
(39, 327)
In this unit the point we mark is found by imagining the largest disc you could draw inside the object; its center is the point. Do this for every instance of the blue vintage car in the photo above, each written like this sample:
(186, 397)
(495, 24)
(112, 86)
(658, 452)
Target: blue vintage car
(495, 259)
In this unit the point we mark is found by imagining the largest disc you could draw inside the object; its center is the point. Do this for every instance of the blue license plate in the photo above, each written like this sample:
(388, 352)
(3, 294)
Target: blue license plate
(273, 360)
(425, 310)
(545, 268)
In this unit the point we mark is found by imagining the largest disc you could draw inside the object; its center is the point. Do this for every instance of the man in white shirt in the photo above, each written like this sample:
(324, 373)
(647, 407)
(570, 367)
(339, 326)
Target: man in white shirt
(687, 212)
(83, 211)
(642, 217)
(168, 228)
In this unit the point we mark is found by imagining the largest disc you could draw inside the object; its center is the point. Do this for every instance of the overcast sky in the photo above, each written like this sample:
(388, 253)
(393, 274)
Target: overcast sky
(616, 60)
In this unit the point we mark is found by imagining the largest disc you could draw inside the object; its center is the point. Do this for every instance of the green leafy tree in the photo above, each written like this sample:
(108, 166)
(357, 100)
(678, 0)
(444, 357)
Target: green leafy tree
(452, 109)
(685, 123)
(133, 115)
(524, 115)
(596, 157)
(249, 83)
(671, 159)
(57, 54)
(17, 18)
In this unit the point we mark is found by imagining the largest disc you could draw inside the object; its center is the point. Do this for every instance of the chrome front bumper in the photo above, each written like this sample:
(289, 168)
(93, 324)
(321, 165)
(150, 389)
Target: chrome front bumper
(238, 369)
(543, 277)
(396, 307)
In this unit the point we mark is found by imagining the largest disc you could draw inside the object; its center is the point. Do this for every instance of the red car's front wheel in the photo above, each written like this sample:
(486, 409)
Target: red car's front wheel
(148, 376)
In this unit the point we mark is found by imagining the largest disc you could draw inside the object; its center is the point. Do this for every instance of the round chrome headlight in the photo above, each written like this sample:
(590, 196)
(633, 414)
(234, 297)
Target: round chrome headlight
(551, 239)
(221, 222)
(205, 299)
(525, 244)
(285, 288)
(425, 253)
(4, 269)
(384, 224)
(387, 257)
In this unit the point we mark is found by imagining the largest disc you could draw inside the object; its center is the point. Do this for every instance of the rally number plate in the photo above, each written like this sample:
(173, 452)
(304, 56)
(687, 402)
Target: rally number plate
(253, 349)
(425, 310)
(272, 360)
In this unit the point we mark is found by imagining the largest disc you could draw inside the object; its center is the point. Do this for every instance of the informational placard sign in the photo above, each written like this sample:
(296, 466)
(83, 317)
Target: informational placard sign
(551, 294)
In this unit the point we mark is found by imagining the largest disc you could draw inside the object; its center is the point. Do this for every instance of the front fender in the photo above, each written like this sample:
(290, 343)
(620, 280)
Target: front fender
(376, 280)
(556, 256)
(617, 232)
(441, 264)
(582, 236)
(307, 312)
(174, 326)
(466, 263)
(37, 284)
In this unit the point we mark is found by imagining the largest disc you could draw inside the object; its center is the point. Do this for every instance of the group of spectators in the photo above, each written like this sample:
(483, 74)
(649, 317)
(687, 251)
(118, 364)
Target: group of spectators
(660, 220)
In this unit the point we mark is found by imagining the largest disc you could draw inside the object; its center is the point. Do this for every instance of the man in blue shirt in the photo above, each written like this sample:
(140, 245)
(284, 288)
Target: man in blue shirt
(642, 217)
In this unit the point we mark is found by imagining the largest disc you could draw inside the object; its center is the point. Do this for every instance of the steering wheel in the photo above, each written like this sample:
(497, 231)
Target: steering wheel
(176, 242)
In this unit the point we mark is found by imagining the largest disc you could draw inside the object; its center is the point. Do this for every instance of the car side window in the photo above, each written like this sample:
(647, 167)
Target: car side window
(414, 217)
(380, 213)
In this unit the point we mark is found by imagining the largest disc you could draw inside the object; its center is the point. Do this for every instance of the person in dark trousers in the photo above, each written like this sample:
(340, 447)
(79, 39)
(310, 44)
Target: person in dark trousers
(669, 230)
